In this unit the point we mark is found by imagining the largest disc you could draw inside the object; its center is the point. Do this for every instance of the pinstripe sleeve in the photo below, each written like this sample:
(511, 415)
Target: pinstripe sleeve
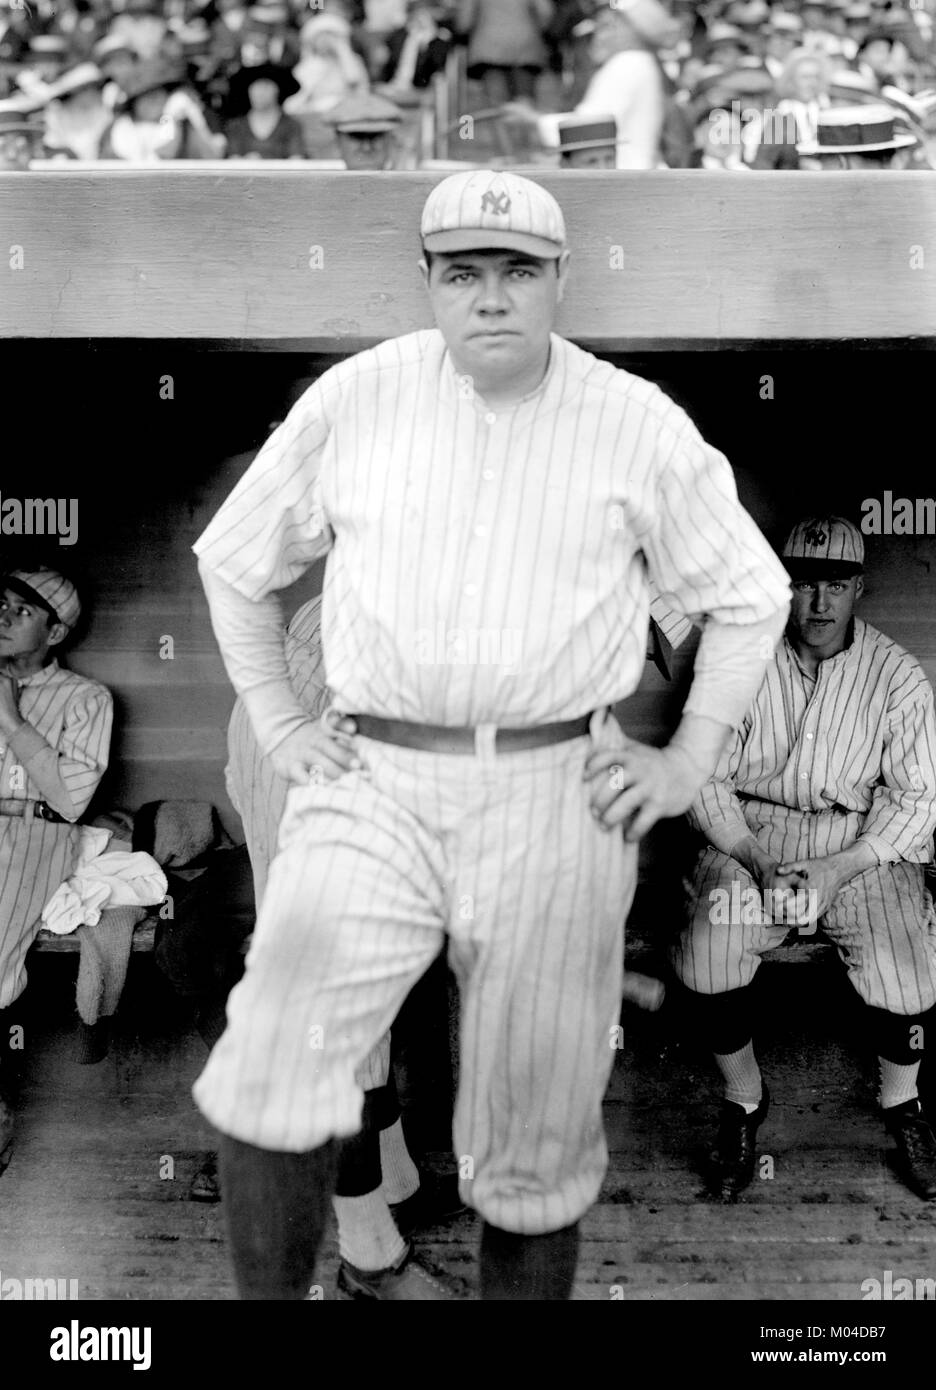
(704, 553)
(273, 525)
(68, 774)
(902, 817)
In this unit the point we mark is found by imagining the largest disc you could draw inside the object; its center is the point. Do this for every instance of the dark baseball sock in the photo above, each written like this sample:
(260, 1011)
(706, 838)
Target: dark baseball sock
(528, 1269)
(900, 1038)
(722, 1023)
(275, 1205)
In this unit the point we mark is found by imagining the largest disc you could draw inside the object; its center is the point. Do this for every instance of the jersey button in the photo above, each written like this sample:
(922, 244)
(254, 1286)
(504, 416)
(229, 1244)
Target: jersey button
(471, 590)
(480, 530)
(488, 474)
(809, 735)
(490, 418)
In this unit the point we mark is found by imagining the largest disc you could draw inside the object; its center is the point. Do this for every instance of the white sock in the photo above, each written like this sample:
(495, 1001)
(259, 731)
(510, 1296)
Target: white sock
(367, 1233)
(742, 1077)
(898, 1083)
(400, 1174)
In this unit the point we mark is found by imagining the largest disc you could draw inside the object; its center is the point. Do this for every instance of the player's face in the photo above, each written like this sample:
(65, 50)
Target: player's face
(25, 633)
(821, 611)
(495, 309)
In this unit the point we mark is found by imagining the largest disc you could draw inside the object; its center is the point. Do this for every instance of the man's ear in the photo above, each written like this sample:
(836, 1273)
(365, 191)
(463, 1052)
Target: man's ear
(57, 634)
(563, 273)
(859, 587)
(423, 270)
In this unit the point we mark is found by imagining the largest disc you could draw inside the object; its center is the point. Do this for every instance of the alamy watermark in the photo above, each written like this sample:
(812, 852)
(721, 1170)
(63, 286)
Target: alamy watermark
(29, 1290)
(750, 907)
(901, 516)
(40, 516)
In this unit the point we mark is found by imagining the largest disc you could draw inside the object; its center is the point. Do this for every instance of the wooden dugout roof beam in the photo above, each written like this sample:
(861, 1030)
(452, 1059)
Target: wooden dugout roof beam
(666, 260)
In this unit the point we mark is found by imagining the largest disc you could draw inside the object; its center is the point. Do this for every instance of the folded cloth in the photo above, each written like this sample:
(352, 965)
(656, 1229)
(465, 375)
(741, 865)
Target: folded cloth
(115, 878)
(105, 955)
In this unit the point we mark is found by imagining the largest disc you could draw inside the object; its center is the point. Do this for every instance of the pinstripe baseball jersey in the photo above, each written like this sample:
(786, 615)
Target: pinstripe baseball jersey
(853, 747)
(489, 565)
(73, 715)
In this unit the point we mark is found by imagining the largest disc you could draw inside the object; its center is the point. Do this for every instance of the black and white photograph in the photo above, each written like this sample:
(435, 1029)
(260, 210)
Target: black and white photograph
(467, 661)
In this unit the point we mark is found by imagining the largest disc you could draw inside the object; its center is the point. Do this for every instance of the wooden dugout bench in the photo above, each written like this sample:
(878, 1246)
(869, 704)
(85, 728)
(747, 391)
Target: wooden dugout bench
(324, 263)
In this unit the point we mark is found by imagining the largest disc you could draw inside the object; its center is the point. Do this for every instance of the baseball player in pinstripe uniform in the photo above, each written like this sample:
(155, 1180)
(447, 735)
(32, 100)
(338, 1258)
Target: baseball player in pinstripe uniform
(54, 740)
(379, 1200)
(826, 797)
(493, 501)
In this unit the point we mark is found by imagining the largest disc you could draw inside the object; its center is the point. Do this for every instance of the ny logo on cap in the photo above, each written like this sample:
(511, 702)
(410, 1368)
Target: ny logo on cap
(815, 536)
(496, 202)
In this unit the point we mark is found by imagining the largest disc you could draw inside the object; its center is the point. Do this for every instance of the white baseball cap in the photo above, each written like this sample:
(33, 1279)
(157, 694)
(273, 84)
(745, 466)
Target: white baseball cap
(488, 209)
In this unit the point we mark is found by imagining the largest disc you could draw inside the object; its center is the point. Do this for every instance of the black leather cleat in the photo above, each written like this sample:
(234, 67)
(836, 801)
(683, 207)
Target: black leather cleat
(735, 1155)
(915, 1159)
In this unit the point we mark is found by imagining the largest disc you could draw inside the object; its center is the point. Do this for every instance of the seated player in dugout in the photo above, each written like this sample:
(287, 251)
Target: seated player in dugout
(827, 791)
(55, 730)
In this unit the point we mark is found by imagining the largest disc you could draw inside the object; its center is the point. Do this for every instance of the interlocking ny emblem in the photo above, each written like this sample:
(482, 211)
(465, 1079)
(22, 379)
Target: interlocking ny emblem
(496, 202)
(816, 536)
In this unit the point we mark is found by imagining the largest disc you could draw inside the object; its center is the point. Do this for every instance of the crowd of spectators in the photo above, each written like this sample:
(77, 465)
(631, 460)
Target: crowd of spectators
(634, 84)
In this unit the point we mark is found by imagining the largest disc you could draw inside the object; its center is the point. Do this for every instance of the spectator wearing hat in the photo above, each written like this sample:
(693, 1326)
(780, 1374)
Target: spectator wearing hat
(161, 119)
(882, 57)
(727, 45)
(858, 137)
(588, 142)
(628, 82)
(144, 26)
(328, 72)
(264, 131)
(20, 135)
(365, 125)
(77, 118)
(46, 59)
(803, 89)
(55, 731)
(267, 36)
(783, 38)
(821, 812)
(117, 59)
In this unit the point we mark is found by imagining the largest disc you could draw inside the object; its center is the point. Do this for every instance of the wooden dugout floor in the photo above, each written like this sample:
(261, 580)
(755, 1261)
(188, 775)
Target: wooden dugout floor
(83, 1199)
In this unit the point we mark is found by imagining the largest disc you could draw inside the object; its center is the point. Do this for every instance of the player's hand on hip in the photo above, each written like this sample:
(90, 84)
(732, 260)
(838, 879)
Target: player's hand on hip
(317, 752)
(636, 785)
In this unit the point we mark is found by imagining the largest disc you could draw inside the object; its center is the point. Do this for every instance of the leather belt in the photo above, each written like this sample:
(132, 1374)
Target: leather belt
(439, 738)
(12, 806)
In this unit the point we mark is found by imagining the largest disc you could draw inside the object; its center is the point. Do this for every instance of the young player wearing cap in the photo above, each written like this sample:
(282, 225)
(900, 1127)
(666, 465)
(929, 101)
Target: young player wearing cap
(54, 740)
(828, 788)
(481, 481)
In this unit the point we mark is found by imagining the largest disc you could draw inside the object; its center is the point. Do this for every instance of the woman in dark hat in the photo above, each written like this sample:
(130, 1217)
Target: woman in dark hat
(162, 119)
(264, 131)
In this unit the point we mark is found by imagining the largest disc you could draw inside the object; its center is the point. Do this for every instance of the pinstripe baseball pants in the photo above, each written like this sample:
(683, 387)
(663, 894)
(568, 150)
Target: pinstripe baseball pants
(36, 856)
(882, 922)
(501, 854)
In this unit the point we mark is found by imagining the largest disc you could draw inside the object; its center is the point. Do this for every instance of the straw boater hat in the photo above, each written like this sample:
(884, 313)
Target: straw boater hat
(587, 133)
(856, 130)
(15, 117)
(111, 44)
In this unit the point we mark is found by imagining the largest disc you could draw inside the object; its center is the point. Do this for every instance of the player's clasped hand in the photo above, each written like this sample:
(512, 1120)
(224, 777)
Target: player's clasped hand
(318, 752)
(636, 785)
